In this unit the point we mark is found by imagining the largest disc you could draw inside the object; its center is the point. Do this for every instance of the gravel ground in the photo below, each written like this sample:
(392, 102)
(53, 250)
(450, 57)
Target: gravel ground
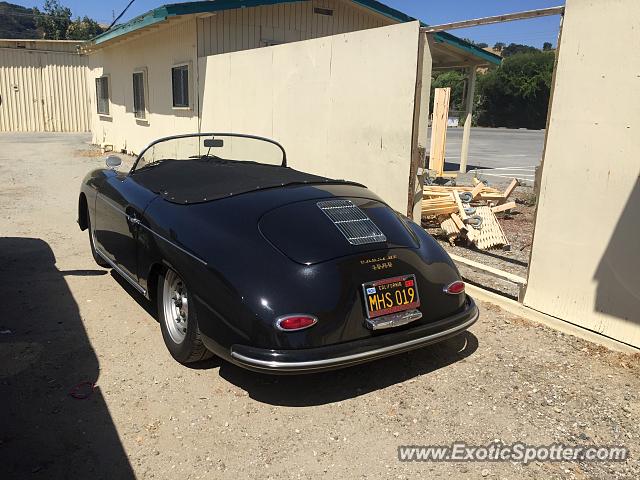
(67, 321)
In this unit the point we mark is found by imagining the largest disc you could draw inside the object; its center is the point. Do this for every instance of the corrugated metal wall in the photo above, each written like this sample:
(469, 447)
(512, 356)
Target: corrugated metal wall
(43, 91)
(68, 46)
(242, 29)
(66, 101)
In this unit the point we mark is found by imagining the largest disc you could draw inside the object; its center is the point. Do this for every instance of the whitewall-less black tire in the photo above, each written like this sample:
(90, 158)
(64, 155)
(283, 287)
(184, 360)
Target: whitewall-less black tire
(179, 320)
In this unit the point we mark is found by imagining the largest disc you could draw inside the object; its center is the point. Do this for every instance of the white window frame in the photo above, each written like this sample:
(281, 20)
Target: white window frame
(189, 66)
(145, 86)
(109, 106)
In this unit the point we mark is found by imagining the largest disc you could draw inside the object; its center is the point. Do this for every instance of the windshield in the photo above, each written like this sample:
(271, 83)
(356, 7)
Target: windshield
(212, 146)
(196, 168)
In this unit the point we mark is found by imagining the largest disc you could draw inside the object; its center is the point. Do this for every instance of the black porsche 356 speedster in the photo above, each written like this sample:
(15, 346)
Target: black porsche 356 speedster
(270, 268)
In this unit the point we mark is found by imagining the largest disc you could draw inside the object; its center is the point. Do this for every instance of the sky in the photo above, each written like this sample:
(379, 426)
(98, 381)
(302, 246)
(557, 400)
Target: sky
(530, 32)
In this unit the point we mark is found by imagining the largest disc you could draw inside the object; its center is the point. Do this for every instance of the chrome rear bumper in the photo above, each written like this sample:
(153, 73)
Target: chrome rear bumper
(351, 353)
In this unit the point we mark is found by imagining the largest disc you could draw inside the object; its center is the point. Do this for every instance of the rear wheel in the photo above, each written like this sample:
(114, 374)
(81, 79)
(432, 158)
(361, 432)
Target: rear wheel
(178, 322)
(98, 259)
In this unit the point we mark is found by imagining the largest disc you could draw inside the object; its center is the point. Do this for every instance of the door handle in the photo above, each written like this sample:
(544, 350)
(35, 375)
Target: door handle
(132, 218)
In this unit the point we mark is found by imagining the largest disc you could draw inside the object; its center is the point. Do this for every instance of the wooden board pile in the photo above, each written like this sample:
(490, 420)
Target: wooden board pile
(468, 213)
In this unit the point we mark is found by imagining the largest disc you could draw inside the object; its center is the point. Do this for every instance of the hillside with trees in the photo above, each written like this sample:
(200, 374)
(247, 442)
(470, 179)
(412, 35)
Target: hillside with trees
(17, 22)
(513, 95)
(53, 22)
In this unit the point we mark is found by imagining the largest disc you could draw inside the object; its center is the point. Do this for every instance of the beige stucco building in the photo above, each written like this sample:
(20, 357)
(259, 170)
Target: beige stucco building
(337, 82)
(165, 44)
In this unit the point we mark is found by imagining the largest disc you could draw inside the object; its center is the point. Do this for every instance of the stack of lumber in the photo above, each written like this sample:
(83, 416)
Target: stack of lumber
(468, 212)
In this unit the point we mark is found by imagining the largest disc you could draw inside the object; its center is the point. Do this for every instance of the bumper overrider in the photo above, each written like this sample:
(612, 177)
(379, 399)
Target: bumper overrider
(359, 351)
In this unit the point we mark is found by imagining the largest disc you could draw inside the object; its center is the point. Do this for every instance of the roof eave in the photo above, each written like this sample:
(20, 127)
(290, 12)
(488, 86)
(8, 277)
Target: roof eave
(443, 37)
(385, 10)
(150, 18)
(457, 42)
(161, 14)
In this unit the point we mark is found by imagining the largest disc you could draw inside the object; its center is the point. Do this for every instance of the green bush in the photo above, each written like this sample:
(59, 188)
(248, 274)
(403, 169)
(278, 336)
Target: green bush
(513, 95)
(454, 79)
(516, 94)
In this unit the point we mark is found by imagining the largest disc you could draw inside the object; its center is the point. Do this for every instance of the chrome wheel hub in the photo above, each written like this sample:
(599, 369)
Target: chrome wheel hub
(175, 302)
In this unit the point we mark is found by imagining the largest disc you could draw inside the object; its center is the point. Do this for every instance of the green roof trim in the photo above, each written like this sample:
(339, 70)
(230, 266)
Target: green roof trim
(442, 37)
(469, 47)
(164, 12)
(385, 10)
(132, 25)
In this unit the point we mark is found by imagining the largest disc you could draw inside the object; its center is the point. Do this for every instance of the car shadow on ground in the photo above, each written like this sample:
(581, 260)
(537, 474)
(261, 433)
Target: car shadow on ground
(332, 386)
(337, 385)
(44, 354)
(152, 311)
(145, 304)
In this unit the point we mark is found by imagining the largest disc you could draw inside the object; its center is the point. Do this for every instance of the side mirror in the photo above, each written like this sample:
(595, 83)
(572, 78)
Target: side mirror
(113, 162)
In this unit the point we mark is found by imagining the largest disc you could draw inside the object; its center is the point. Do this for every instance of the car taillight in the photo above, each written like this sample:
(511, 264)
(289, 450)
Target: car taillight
(292, 323)
(454, 288)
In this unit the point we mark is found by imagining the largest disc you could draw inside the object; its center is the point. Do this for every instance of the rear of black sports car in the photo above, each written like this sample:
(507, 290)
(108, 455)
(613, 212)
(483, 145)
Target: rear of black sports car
(314, 277)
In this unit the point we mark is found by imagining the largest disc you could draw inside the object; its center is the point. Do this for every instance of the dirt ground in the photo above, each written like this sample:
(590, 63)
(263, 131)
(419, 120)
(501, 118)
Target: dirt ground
(67, 321)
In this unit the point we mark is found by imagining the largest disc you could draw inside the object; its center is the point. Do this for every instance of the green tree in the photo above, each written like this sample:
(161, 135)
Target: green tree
(477, 44)
(83, 29)
(514, 48)
(454, 79)
(54, 21)
(516, 94)
(547, 46)
(499, 46)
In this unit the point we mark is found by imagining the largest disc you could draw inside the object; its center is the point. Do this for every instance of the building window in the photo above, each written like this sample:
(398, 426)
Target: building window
(180, 86)
(139, 95)
(102, 95)
(323, 11)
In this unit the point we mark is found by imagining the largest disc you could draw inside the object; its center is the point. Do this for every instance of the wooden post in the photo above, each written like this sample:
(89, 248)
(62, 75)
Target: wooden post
(471, 90)
(420, 116)
(439, 122)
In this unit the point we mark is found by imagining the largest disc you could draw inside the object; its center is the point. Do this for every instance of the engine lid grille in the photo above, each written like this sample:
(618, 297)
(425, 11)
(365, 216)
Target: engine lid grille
(352, 222)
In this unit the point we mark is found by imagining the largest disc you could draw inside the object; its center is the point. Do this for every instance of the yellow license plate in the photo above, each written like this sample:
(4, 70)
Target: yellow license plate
(391, 295)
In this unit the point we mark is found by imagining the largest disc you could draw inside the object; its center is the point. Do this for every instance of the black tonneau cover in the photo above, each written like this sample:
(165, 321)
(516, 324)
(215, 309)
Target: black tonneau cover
(206, 179)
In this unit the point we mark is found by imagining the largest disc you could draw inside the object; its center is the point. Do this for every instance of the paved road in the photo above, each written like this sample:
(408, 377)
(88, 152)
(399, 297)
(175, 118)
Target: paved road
(498, 153)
